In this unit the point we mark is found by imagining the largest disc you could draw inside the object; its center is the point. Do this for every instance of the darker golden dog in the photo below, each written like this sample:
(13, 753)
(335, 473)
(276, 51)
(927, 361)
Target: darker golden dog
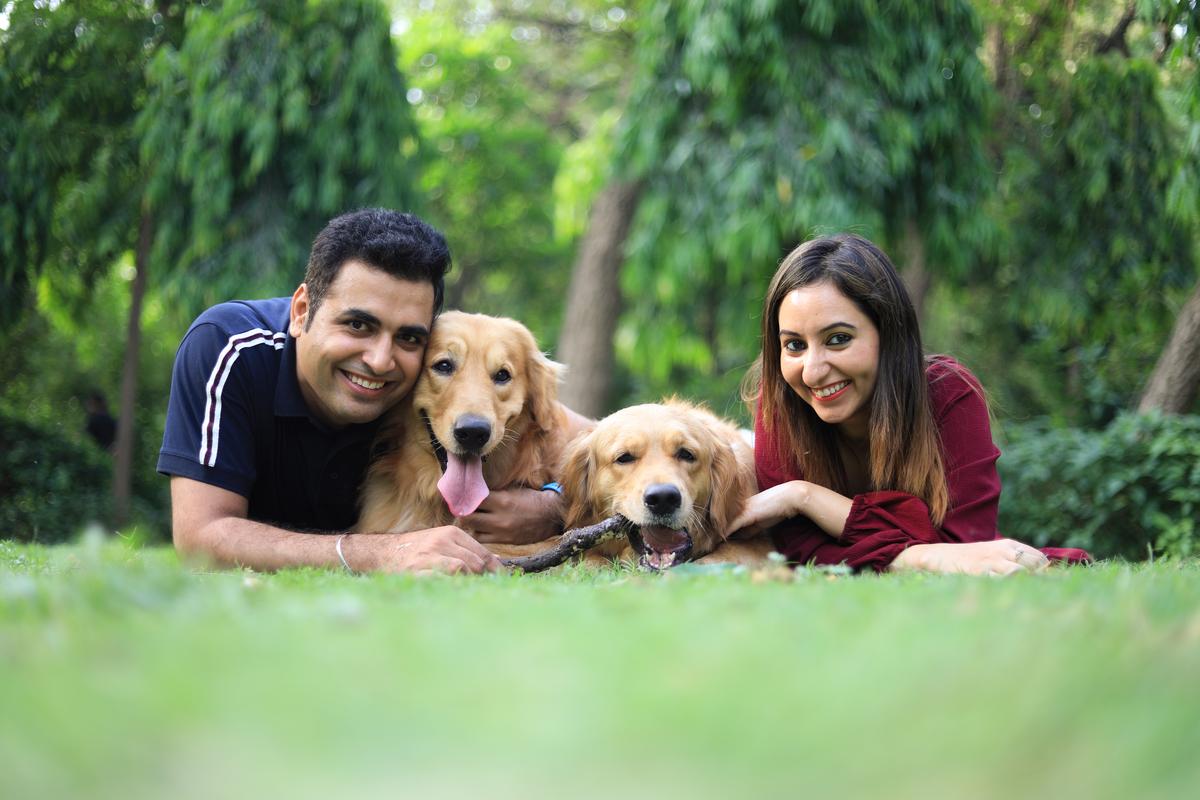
(484, 415)
(675, 471)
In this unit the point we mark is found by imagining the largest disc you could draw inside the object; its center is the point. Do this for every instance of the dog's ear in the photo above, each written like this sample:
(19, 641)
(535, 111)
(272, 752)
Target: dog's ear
(544, 377)
(577, 474)
(731, 480)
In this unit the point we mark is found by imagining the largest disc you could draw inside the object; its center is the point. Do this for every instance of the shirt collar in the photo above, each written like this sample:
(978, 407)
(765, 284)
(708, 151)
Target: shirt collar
(289, 402)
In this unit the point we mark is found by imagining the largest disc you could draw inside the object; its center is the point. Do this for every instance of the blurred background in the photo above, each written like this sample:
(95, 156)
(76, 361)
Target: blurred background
(624, 177)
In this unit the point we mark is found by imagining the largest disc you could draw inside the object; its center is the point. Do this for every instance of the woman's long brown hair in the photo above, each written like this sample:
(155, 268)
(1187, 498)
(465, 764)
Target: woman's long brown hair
(906, 453)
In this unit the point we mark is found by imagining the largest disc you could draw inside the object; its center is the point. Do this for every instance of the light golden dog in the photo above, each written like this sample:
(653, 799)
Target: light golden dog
(483, 415)
(677, 472)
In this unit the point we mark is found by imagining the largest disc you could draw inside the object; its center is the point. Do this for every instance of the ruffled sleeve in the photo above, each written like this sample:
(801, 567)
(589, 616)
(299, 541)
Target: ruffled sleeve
(879, 528)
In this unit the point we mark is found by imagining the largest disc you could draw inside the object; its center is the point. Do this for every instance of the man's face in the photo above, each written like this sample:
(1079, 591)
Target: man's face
(360, 352)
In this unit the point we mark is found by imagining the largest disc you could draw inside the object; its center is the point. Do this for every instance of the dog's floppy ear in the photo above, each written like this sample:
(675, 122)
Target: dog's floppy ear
(577, 473)
(544, 377)
(732, 482)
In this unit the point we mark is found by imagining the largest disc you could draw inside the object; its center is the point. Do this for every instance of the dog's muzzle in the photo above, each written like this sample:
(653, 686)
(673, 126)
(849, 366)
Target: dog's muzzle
(472, 433)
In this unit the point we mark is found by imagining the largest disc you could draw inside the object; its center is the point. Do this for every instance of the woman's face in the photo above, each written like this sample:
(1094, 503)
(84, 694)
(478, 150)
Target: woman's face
(830, 355)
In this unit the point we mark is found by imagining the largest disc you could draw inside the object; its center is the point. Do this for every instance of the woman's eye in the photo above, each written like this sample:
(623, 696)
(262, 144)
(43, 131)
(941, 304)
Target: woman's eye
(794, 346)
(685, 455)
(502, 376)
(443, 367)
(625, 458)
(839, 338)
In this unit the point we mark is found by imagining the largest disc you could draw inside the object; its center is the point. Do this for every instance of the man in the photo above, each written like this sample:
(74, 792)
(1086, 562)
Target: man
(275, 403)
(101, 425)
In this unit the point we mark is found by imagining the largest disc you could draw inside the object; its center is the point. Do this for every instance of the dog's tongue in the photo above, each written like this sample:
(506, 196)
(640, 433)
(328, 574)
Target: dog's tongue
(462, 484)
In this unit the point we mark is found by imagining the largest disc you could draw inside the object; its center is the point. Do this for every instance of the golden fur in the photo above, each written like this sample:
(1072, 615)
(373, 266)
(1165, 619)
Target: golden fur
(610, 470)
(528, 426)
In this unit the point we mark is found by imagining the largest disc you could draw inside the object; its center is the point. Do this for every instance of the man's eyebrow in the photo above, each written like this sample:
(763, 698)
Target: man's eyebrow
(420, 331)
(829, 327)
(357, 314)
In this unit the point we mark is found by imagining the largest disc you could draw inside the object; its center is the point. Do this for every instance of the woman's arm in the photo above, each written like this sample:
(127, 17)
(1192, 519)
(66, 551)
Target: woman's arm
(825, 507)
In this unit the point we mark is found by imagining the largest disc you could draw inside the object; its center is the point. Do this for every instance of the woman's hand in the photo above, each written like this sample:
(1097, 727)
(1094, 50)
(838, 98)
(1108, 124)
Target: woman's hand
(1001, 557)
(768, 508)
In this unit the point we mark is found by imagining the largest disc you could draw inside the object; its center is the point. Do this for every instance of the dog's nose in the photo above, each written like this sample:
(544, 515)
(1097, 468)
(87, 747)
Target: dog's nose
(472, 432)
(662, 498)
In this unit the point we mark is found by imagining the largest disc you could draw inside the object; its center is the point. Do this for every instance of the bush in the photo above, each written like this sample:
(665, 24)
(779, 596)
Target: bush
(1122, 491)
(50, 485)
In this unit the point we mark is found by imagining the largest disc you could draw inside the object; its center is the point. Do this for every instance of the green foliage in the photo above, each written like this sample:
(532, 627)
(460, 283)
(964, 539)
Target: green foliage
(1096, 199)
(758, 124)
(512, 100)
(51, 485)
(1123, 491)
(268, 119)
(70, 86)
(54, 356)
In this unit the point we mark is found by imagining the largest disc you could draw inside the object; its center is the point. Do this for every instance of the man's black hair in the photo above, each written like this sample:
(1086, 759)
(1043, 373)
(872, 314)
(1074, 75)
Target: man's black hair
(397, 243)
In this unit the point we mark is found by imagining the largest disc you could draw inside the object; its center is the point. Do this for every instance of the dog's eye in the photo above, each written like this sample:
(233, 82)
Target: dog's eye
(685, 455)
(502, 376)
(625, 458)
(443, 367)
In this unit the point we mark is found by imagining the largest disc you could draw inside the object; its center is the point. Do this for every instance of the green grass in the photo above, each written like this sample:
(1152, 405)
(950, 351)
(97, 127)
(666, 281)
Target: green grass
(124, 674)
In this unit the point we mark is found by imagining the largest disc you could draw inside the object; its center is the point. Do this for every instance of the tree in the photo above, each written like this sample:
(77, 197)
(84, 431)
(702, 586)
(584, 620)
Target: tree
(753, 125)
(1098, 240)
(510, 97)
(1175, 381)
(241, 136)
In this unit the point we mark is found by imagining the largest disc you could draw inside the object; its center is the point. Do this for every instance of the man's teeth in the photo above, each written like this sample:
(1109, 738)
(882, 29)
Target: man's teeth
(828, 390)
(363, 382)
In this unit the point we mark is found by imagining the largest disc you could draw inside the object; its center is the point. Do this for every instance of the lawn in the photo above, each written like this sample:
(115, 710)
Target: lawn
(124, 674)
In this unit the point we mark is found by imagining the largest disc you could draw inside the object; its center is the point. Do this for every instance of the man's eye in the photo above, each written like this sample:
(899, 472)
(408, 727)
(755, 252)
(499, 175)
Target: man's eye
(839, 338)
(357, 325)
(625, 458)
(443, 367)
(502, 376)
(683, 454)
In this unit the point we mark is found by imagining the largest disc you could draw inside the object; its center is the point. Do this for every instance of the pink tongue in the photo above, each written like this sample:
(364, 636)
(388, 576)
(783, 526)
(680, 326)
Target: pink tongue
(462, 485)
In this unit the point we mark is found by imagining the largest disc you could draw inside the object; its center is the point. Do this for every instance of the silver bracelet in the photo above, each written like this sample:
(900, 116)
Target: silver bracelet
(338, 546)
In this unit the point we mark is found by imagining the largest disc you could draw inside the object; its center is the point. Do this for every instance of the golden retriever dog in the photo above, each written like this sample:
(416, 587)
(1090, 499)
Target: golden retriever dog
(483, 415)
(677, 472)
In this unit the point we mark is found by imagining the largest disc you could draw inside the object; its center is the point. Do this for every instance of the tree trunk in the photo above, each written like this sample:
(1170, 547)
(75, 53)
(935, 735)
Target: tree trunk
(1176, 377)
(594, 300)
(123, 459)
(914, 268)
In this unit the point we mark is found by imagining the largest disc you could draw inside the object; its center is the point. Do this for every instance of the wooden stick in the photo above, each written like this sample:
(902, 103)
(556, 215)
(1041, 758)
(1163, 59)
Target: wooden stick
(572, 543)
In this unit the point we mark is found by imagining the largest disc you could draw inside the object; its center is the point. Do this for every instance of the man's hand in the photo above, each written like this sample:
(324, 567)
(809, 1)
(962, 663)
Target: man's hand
(445, 549)
(1001, 557)
(516, 516)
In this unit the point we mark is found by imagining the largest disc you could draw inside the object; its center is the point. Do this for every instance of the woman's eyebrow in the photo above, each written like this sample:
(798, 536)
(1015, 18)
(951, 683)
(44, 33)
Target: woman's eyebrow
(829, 327)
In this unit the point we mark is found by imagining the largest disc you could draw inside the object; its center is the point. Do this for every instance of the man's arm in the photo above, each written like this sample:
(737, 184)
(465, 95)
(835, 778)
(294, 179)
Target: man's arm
(209, 522)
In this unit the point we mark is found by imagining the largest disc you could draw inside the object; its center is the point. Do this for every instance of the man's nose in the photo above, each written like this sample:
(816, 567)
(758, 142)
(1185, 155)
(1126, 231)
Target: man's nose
(379, 355)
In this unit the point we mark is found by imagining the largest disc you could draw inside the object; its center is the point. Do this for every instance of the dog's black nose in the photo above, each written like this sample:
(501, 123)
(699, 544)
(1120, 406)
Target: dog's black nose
(472, 432)
(662, 498)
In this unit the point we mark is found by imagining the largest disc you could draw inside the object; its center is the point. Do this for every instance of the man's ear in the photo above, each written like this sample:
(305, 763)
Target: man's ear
(301, 308)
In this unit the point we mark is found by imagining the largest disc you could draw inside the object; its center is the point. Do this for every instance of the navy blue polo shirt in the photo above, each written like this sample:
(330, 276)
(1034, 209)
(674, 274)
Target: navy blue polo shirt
(236, 419)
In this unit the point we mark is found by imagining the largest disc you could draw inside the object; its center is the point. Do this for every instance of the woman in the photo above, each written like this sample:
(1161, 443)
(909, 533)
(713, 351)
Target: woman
(867, 452)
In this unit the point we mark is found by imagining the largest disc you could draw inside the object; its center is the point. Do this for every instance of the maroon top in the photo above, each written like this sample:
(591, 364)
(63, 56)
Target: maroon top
(882, 524)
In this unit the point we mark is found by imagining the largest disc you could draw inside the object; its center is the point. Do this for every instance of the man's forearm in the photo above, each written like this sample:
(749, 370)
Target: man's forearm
(233, 541)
